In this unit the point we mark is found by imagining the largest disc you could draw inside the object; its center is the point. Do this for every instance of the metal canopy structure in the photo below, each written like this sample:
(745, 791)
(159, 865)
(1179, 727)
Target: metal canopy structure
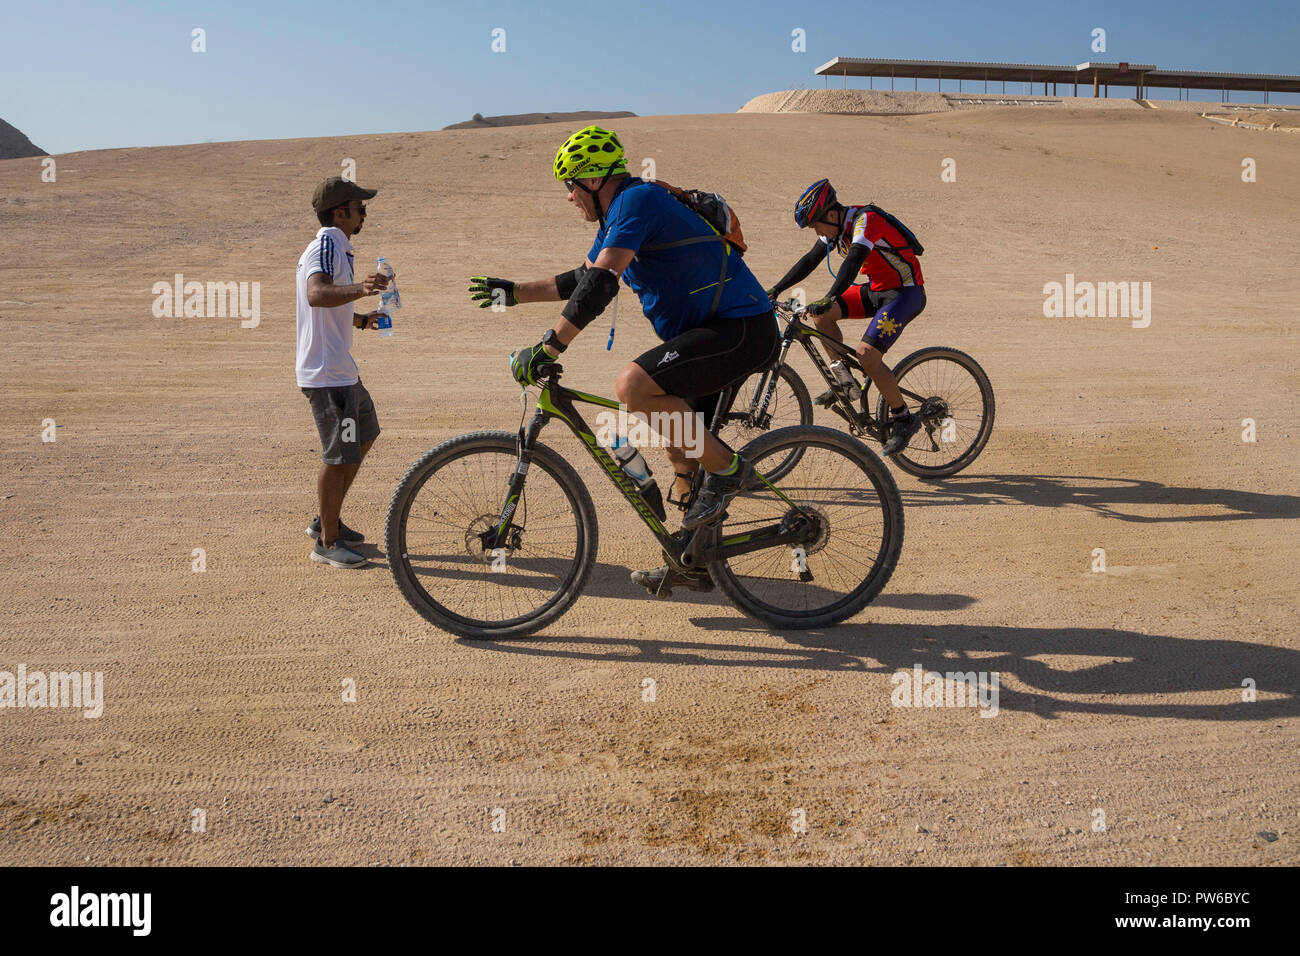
(1141, 76)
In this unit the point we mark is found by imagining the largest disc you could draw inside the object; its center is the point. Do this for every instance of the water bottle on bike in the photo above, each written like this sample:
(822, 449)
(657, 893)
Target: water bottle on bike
(847, 380)
(635, 467)
(389, 298)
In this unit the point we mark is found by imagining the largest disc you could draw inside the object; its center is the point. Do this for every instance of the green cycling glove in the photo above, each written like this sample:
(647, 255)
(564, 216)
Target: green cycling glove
(821, 306)
(487, 291)
(527, 363)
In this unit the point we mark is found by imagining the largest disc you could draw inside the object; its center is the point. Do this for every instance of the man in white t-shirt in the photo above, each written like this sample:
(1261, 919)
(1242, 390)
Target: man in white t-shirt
(328, 376)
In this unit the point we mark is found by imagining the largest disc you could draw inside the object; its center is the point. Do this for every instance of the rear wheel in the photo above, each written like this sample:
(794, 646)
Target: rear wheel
(956, 410)
(441, 521)
(846, 498)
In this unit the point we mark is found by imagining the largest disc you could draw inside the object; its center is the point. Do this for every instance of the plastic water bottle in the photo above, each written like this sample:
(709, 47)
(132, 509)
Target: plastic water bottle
(635, 467)
(847, 380)
(631, 461)
(389, 299)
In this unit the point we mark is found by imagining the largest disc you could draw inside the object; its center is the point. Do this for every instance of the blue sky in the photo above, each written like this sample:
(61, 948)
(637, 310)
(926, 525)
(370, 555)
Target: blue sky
(83, 75)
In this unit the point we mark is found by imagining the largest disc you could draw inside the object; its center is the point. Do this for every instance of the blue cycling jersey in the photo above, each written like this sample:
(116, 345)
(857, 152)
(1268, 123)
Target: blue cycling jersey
(676, 286)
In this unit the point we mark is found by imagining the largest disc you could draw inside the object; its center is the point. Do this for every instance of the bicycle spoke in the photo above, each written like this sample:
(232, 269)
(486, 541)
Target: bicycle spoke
(856, 517)
(960, 430)
(442, 561)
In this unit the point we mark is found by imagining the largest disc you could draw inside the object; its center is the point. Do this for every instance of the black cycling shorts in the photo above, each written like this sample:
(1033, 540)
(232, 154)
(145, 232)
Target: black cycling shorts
(698, 364)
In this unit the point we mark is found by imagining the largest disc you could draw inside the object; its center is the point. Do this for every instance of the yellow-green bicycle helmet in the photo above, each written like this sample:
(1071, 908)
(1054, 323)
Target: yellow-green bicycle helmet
(588, 153)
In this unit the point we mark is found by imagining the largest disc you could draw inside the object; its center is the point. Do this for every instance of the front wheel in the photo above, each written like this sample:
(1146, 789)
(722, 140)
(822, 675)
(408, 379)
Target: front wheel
(843, 496)
(442, 521)
(954, 398)
(764, 402)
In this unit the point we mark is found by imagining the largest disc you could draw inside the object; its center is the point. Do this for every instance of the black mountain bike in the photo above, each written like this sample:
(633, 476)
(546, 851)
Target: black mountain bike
(493, 534)
(946, 387)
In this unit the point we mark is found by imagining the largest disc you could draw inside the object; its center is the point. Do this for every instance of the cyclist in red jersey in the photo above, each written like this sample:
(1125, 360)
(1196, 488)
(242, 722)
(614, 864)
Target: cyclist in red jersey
(893, 296)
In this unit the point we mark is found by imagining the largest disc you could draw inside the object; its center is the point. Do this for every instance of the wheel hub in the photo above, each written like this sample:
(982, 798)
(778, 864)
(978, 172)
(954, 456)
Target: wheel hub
(819, 534)
(934, 408)
(479, 533)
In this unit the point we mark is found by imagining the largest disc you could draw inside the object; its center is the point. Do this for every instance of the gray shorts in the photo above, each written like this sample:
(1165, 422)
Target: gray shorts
(345, 418)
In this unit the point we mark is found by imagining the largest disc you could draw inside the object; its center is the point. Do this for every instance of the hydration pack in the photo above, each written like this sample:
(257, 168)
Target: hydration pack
(713, 209)
(912, 242)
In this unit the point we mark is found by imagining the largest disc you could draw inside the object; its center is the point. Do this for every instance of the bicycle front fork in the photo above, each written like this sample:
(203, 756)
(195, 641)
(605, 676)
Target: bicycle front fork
(499, 533)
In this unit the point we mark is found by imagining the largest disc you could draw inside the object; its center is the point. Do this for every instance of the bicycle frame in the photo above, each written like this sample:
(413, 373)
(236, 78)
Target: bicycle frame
(684, 549)
(806, 335)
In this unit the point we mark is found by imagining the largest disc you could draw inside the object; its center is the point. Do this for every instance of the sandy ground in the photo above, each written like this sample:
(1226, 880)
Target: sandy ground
(1122, 698)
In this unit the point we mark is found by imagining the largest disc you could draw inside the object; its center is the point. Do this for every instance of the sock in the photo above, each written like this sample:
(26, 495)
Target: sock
(732, 468)
(899, 412)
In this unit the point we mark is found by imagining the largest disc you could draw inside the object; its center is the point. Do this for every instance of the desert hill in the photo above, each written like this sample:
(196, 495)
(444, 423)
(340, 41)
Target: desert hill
(14, 144)
(531, 119)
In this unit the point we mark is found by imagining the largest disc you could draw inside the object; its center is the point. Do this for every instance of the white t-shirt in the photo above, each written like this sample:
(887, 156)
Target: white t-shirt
(325, 335)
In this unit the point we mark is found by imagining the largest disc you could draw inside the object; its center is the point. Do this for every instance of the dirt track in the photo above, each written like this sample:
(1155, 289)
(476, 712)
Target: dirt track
(1121, 691)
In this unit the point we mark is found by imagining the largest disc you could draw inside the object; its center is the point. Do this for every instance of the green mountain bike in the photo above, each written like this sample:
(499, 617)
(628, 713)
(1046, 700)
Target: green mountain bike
(946, 387)
(493, 534)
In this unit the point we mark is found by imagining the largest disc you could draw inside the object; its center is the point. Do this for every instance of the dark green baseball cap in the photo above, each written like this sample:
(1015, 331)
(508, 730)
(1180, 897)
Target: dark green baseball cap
(336, 191)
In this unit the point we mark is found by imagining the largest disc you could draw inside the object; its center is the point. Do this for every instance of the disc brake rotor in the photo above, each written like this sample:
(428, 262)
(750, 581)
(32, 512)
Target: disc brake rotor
(479, 529)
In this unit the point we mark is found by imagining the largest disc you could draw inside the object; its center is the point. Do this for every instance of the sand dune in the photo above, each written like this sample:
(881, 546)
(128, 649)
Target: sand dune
(1122, 691)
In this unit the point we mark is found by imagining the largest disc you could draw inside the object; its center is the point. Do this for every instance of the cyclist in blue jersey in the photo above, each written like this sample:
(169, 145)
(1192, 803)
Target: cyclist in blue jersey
(713, 317)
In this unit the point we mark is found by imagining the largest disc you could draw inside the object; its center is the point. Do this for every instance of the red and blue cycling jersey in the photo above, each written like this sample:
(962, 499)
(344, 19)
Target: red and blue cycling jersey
(890, 262)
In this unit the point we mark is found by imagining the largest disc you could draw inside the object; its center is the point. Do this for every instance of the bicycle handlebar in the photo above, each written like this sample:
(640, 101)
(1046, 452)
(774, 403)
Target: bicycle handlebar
(789, 310)
(548, 373)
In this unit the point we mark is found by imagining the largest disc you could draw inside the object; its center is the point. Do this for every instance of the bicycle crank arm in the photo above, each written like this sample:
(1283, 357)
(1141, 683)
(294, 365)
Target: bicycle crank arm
(855, 428)
(691, 552)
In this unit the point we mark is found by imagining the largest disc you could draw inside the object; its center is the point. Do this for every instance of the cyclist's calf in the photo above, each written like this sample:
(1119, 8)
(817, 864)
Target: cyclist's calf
(691, 440)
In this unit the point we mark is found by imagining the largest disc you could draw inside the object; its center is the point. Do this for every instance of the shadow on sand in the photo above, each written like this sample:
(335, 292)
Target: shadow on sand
(1119, 664)
(1110, 497)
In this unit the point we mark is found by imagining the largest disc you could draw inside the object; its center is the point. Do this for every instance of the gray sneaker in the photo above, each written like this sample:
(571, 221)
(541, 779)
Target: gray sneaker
(338, 555)
(346, 534)
(659, 581)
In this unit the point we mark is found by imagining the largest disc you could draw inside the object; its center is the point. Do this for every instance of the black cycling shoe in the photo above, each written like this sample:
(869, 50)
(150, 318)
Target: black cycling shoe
(715, 494)
(826, 399)
(901, 431)
(659, 581)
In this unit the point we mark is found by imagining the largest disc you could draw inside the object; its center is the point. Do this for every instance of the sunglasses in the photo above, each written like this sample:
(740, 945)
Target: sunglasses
(348, 206)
